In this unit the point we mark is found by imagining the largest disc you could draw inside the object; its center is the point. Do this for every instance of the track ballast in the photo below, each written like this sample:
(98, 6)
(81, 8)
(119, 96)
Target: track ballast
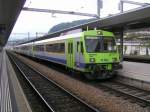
(139, 96)
(54, 96)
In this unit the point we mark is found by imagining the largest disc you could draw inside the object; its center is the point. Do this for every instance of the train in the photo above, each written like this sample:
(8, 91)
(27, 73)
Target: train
(93, 53)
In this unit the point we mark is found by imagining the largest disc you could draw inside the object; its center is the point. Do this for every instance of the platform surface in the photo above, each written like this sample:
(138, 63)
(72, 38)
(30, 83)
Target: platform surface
(5, 99)
(12, 97)
(135, 70)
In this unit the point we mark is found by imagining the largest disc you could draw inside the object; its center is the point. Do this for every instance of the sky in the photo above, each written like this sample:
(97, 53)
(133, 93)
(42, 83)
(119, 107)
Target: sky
(33, 22)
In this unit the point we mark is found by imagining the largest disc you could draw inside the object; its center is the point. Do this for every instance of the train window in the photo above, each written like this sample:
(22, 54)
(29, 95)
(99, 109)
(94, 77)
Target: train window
(42, 47)
(25, 47)
(49, 48)
(77, 46)
(71, 48)
(55, 48)
(39, 47)
(82, 50)
(68, 47)
(34, 48)
(62, 47)
(58, 47)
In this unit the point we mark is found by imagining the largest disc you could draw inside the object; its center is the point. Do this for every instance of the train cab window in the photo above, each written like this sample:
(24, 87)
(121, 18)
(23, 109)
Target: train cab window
(109, 44)
(93, 44)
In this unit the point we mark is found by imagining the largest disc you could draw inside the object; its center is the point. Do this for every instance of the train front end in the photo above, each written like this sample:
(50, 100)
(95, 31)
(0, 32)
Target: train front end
(101, 54)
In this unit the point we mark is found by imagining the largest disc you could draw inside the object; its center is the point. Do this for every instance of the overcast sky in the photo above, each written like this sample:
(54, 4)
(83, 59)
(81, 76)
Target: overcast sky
(41, 22)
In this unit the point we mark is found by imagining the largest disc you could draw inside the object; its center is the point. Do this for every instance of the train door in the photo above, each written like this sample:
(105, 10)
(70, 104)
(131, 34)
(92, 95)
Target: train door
(77, 53)
(70, 54)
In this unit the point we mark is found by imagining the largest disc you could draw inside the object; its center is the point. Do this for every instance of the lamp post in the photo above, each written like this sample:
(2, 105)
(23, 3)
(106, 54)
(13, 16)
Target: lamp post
(99, 7)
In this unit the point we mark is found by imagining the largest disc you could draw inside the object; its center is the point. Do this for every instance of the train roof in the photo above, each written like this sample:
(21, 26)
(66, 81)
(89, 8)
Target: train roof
(30, 43)
(59, 38)
(76, 35)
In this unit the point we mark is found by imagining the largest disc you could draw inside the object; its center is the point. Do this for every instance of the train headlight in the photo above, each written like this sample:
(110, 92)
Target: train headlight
(92, 60)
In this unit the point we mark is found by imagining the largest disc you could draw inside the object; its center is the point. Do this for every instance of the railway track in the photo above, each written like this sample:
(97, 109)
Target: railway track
(55, 97)
(137, 95)
(133, 94)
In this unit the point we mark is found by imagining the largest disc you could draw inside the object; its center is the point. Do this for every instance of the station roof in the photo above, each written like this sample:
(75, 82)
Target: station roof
(9, 12)
(133, 19)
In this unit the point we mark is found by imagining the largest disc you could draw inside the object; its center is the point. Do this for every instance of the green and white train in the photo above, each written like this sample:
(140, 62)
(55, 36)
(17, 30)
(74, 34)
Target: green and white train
(92, 52)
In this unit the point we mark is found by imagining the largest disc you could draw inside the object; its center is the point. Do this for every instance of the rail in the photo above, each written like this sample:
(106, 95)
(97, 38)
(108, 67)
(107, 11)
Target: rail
(53, 95)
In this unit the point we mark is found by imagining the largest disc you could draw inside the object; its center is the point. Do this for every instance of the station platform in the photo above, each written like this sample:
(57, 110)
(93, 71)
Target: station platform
(135, 74)
(12, 98)
(139, 71)
(137, 58)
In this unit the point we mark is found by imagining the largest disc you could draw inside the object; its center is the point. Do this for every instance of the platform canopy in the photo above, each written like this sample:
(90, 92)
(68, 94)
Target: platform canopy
(9, 12)
(137, 18)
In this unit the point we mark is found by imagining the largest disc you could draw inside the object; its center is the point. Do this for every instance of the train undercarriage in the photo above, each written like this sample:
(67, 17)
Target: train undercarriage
(102, 71)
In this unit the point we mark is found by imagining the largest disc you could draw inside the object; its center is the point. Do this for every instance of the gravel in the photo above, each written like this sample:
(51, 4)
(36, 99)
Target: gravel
(96, 97)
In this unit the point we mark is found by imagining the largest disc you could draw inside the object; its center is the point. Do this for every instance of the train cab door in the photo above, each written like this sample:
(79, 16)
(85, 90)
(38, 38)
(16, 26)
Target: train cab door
(70, 54)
